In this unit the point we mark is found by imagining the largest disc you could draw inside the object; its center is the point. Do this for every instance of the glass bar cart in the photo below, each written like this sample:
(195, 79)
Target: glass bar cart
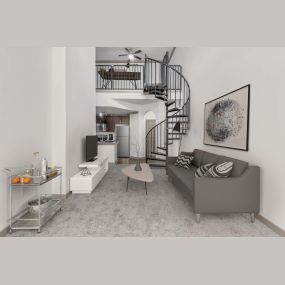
(39, 210)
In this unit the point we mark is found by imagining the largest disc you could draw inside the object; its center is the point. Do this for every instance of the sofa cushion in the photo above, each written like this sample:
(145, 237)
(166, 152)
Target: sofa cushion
(186, 176)
(203, 157)
(198, 155)
(209, 157)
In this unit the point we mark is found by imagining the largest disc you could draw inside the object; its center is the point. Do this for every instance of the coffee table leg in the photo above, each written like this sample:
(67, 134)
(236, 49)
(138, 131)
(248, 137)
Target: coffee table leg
(145, 188)
(128, 178)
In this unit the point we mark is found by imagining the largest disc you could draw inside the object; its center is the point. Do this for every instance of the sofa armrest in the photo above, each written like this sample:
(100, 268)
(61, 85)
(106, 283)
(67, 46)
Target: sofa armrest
(171, 160)
(233, 194)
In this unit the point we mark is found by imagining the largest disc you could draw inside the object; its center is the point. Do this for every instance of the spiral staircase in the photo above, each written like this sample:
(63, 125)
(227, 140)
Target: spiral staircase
(166, 83)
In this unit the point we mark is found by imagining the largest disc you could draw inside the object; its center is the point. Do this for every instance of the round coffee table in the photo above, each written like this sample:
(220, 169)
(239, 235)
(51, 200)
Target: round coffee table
(145, 175)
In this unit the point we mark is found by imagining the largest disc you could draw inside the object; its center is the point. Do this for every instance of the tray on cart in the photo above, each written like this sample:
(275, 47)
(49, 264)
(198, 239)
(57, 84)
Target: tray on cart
(31, 220)
(34, 177)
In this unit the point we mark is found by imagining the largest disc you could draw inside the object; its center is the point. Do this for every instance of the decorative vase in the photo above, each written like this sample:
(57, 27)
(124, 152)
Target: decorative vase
(138, 166)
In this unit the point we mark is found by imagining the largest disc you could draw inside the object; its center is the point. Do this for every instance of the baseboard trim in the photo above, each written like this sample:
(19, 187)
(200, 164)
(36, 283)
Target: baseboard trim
(4, 231)
(142, 159)
(272, 226)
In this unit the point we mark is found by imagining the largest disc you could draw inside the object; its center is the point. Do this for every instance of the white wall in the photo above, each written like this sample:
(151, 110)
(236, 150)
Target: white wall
(25, 104)
(47, 104)
(158, 109)
(213, 72)
(80, 105)
(137, 120)
(58, 114)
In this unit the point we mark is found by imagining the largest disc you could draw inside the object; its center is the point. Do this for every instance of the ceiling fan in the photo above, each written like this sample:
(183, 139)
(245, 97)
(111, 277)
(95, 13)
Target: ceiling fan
(132, 54)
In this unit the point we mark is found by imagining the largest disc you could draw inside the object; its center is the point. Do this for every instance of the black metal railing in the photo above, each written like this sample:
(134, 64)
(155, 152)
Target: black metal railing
(132, 77)
(120, 77)
(159, 76)
(168, 84)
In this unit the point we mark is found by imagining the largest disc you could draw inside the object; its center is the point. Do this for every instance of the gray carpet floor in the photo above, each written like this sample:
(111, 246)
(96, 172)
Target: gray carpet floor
(110, 211)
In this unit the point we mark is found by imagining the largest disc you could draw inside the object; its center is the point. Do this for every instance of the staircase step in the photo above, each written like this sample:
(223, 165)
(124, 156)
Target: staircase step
(158, 153)
(157, 93)
(157, 165)
(170, 102)
(157, 159)
(174, 139)
(178, 116)
(173, 134)
(181, 122)
(161, 97)
(183, 129)
(174, 109)
(162, 147)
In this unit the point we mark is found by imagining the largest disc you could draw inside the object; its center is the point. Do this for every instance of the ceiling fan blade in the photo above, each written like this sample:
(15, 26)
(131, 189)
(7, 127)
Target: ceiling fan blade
(128, 51)
(123, 54)
(137, 57)
(138, 51)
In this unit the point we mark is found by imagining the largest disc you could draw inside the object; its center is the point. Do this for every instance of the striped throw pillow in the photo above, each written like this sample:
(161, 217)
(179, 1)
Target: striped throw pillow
(203, 170)
(184, 160)
(222, 170)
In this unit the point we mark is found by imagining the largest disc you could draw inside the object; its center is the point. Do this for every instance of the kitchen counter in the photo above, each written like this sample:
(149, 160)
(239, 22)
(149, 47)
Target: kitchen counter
(108, 149)
(107, 143)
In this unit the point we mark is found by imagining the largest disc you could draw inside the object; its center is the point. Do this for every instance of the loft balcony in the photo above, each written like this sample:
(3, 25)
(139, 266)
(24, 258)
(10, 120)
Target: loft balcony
(137, 77)
(120, 77)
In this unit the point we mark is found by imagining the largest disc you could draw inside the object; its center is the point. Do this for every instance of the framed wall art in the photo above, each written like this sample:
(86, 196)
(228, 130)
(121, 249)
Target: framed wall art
(226, 120)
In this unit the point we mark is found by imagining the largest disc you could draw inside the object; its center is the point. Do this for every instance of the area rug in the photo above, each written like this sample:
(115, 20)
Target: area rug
(110, 211)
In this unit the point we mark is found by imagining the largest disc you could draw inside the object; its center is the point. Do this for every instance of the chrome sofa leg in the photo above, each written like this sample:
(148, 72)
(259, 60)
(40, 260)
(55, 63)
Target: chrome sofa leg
(198, 218)
(252, 217)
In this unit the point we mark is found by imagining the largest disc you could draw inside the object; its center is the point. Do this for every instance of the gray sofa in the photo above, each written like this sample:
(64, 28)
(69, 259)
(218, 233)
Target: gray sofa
(239, 193)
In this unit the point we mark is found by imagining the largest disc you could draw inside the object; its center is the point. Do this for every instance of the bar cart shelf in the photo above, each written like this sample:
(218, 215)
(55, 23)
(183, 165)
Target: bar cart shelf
(33, 218)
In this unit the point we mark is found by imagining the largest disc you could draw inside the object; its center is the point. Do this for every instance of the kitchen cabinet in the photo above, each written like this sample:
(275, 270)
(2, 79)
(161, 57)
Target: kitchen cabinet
(113, 120)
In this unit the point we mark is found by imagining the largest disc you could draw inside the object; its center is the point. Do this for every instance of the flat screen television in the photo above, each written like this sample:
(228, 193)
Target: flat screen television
(91, 148)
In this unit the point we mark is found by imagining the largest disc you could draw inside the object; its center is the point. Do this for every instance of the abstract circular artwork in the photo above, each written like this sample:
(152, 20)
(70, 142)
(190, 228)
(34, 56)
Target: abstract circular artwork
(224, 120)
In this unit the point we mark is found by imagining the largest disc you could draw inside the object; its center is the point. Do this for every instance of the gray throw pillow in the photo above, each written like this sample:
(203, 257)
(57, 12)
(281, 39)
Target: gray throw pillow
(203, 170)
(184, 160)
(222, 170)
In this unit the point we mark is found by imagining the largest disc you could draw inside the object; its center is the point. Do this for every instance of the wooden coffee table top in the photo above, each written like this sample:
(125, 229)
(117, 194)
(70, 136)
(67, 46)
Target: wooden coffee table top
(144, 175)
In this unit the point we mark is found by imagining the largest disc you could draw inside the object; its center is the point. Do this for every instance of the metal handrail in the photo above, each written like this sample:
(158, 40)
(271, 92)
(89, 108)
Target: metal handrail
(166, 90)
(119, 77)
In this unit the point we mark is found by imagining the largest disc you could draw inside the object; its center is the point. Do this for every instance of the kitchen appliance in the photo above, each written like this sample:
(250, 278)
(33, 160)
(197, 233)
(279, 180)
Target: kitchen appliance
(91, 148)
(110, 137)
(101, 127)
(123, 137)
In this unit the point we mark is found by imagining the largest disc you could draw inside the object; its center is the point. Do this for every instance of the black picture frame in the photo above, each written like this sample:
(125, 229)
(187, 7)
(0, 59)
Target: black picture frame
(246, 132)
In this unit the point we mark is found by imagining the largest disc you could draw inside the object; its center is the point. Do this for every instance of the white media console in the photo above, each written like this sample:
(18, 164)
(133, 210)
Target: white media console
(80, 184)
